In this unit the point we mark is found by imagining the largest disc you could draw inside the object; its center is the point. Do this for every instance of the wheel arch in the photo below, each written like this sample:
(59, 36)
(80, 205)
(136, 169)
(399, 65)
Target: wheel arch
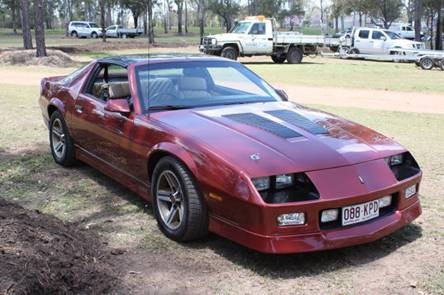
(235, 45)
(55, 104)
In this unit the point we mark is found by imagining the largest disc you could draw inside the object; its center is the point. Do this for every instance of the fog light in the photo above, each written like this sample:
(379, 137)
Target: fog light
(291, 219)
(410, 191)
(385, 202)
(329, 215)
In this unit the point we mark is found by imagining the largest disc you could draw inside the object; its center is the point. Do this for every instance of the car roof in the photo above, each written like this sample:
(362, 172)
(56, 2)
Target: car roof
(126, 60)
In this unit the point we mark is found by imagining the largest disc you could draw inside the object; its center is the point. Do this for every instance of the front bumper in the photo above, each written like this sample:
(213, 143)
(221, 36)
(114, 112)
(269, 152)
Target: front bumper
(310, 237)
(210, 49)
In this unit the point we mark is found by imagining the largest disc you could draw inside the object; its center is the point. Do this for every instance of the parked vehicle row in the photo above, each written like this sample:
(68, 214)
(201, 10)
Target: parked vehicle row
(86, 29)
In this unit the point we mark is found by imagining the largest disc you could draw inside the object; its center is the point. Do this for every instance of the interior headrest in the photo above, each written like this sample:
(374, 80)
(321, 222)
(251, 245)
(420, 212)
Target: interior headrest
(191, 83)
(119, 90)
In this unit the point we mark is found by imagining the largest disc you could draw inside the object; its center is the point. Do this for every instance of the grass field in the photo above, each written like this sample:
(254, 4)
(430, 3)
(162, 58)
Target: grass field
(411, 261)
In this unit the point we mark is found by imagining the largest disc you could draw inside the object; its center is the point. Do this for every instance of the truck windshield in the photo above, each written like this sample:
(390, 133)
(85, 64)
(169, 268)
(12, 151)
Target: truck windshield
(241, 27)
(191, 84)
(392, 35)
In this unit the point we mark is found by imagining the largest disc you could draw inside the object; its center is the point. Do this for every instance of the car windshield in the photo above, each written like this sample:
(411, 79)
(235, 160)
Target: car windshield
(392, 35)
(93, 25)
(241, 27)
(199, 83)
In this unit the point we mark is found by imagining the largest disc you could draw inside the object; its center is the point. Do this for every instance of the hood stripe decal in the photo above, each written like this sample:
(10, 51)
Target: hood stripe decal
(264, 124)
(297, 120)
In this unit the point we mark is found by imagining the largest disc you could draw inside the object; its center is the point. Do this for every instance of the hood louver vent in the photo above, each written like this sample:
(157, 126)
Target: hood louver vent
(297, 120)
(264, 124)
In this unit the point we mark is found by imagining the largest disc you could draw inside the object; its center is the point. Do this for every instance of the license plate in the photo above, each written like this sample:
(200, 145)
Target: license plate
(360, 212)
(410, 191)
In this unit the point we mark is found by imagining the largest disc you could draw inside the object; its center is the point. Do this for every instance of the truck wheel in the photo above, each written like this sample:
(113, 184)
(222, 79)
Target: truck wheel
(74, 34)
(279, 59)
(229, 52)
(123, 36)
(426, 63)
(94, 35)
(354, 51)
(294, 55)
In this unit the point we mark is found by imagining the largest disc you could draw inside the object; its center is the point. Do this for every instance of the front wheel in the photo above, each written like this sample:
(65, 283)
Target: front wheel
(94, 35)
(229, 52)
(178, 205)
(60, 142)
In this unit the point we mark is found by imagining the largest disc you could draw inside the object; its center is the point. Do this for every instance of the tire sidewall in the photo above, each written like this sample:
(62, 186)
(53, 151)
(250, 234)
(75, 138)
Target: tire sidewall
(423, 66)
(231, 50)
(54, 116)
(168, 163)
(294, 55)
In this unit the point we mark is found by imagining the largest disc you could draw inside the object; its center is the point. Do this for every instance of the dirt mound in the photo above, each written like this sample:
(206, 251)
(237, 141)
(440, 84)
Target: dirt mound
(55, 58)
(39, 254)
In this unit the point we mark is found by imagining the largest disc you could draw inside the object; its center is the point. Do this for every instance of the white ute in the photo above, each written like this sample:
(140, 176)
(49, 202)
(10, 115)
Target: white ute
(257, 35)
(378, 41)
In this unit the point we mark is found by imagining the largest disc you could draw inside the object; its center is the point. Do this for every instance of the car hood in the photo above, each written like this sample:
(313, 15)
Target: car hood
(270, 138)
(405, 43)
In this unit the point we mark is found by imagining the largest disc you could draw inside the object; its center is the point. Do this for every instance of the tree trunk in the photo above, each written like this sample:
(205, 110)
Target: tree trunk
(438, 39)
(26, 28)
(150, 23)
(145, 23)
(360, 19)
(186, 18)
(418, 16)
(136, 20)
(102, 19)
(179, 17)
(14, 16)
(336, 24)
(109, 14)
(201, 13)
(39, 18)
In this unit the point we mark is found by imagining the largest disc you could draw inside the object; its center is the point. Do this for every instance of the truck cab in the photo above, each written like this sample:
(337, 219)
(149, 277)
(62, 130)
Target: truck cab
(379, 41)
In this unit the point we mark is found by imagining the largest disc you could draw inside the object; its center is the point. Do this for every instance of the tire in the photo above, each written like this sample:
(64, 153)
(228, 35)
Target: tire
(441, 64)
(74, 34)
(279, 59)
(94, 35)
(426, 63)
(294, 55)
(123, 36)
(189, 221)
(229, 52)
(354, 51)
(60, 142)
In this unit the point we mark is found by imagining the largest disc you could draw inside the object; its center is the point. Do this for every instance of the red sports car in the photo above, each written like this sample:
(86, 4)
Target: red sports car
(215, 148)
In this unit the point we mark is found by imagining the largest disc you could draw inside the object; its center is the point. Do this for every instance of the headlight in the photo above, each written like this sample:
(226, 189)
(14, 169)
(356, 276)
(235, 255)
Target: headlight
(284, 180)
(261, 183)
(213, 41)
(395, 160)
(403, 165)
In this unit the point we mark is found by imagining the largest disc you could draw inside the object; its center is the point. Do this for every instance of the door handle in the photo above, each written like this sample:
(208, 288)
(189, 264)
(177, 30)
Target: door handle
(78, 108)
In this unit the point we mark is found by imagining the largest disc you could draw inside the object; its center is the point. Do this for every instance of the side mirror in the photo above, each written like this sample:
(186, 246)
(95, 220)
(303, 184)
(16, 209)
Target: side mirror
(282, 94)
(119, 105)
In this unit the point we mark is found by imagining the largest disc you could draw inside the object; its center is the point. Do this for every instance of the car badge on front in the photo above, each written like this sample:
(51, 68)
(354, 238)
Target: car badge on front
(361, 179)
(255, 157)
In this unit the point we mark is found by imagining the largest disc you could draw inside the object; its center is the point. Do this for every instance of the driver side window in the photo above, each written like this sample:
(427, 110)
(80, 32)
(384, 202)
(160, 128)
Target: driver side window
(258, 29)
(109, 81)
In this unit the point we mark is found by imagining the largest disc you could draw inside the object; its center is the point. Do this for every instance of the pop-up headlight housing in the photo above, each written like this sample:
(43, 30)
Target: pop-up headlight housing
(403, 165)
(286, 188)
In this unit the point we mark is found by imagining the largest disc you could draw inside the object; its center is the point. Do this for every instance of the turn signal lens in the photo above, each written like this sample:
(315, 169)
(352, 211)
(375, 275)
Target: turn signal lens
(329, 215)
(297, 218)
(385, 202)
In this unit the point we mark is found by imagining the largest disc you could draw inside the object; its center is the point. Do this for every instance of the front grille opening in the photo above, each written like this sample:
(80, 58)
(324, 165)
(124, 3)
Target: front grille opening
(338, 223)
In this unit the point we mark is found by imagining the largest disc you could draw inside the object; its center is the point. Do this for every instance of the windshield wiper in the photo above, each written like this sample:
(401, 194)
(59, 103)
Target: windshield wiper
(167, 107)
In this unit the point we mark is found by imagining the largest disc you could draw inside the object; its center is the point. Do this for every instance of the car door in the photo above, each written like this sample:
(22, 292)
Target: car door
(111, 31)
(102, 134)
(378, 40)
(261, 42)
(362, 41)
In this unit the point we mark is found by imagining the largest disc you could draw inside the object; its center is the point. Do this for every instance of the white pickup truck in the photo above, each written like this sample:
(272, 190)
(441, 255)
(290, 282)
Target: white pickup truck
(257, 35)
(377, 41)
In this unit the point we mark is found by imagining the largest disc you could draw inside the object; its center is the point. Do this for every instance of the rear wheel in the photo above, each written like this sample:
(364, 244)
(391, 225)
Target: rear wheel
(178, 205)
(354, 51)
(229, 52)
(94, 35)
(123, 36)
(279, 59)
(60, 142)
(74, 34)
(294, 55)
(426, 63)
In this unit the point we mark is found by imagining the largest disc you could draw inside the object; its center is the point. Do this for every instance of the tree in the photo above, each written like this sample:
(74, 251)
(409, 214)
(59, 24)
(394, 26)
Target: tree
(150, 22)
(384, 11)
(337, 10)
(26, 28)
(361, 7)
(418, 16)
(201, 16)
(102, 18)
(434, 12)
(226, 9)
(179, 4)
(39, 19)
(137, 7)
(268, 8)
